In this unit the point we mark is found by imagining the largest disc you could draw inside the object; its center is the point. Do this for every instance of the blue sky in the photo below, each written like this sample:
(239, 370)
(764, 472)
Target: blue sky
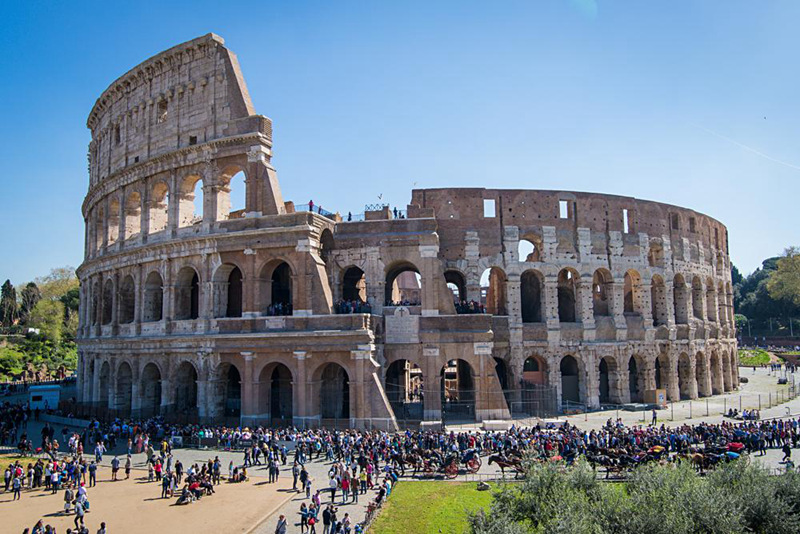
(691, 103)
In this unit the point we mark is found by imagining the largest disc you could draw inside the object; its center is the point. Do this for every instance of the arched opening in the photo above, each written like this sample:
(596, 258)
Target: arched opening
(95, 304)
(717, 383)
(697, 298)
(458, 288)
(127, 300)
(501, 370)
(108, 302)
(190, 207)
(326, 245)
(686, 379)
(658, 301)
(608, 376)
(230, 390)
(567, 292)
(99, 228)
(153, 298)
(701, 372)
(133, 215)
(124, 389)
(405, 389)
(528, 251)
(655, 257)
(493, 291)
(280, 291)
(727, 376)
(403, 285)
(113, 221)
(186, 389)
(711, 306)
(531, 294)
(187, 294)
(104, 385)
(533, 370)
(601, 289)
(636, 378)
(570, 382)
(151, 390)
(680, 296)
(354, 285)
(231, 195)
(335, 392)
(632, 287)
(458, 391)
(159, 208)
(234, 305)
(280, 395)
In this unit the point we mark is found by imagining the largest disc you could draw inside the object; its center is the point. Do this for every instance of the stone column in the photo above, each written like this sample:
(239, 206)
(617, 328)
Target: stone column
(550, 311)
(432, 401)
(584, 298)
(618, 309)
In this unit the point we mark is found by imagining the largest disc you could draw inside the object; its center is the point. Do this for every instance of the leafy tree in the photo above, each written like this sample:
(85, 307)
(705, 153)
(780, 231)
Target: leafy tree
(48, 317)
(784, 281)
(30, 296)
(8, 304)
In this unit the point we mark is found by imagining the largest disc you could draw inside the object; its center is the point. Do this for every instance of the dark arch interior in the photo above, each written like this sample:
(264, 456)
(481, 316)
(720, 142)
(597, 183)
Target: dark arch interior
(151, 391)
(282, 289)
(458, 287)
(570, 382)
(458, 391)
(354, 285)
(531, 290)
(335, 397)
(234, 304)
(233, 392)
(405, 389)
(186, 389)
(566, 297)
(604, 382)
(281, 395)
(397, 292)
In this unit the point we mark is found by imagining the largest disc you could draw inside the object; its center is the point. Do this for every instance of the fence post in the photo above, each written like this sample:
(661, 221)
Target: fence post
(672, 406)
(740, 403)
(725, 405)
(690, 409)
(706, 407)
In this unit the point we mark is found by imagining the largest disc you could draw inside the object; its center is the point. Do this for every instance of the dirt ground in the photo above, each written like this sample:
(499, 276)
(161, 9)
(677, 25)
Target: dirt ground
(135, 506)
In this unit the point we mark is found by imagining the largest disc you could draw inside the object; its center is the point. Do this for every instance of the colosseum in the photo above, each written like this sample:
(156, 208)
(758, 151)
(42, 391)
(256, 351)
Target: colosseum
(468, 305)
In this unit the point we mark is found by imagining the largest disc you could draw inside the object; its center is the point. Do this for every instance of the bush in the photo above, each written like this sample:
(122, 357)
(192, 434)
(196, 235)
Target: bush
(749, 357)
(737, 497)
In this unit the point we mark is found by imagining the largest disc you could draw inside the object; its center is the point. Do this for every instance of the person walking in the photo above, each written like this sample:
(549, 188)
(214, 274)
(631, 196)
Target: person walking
(280, 528)
(16, 485)
(114, 468)
(79, 513)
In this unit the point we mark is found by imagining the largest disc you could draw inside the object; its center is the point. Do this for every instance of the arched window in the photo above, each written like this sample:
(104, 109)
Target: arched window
(601, 289)
(231, 195)
(153, 298)
(658, 301)
(234, 305)
(697, 298)
(276, 289)
(528, 251)
(531, 295)
(493, 291)
(570, 381)
(190, 207)
(632, 283)
(457, 285)
(127, 300)
(159, 208)
(113, 221)
(403, 285)
(567, 292)
(187, 294)
(108, 301)
(133, 215)
(99, 228)
(228, 291)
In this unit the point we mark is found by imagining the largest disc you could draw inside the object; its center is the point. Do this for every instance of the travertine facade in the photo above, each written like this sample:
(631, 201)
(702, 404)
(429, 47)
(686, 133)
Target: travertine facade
(594, 298)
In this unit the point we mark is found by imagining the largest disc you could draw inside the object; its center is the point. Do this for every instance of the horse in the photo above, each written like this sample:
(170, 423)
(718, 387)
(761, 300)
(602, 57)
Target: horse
(505, 463)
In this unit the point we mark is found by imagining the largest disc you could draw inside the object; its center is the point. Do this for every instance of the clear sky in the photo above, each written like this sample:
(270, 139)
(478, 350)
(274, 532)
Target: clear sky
(691, 103)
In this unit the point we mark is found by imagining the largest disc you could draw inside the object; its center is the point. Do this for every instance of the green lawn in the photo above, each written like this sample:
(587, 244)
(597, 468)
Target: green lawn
(753, 357)
(436, 506)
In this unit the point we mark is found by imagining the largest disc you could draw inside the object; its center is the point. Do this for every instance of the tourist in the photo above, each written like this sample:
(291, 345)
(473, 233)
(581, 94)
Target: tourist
(280, 528)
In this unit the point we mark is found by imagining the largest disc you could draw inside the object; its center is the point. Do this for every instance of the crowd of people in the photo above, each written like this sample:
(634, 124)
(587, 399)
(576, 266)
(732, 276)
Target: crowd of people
(279, 309)
(352, 306)
(468, 307)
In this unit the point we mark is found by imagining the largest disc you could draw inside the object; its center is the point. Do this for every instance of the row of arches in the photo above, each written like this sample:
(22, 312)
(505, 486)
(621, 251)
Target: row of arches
(125, 216)
(189, 294)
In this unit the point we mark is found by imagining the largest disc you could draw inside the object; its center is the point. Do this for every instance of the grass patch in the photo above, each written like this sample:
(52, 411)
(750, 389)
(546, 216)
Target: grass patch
(436, 506)
(749, 357)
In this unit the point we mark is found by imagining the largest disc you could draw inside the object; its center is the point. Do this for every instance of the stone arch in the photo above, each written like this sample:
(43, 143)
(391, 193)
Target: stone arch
(711, 308)
(184, 384)
(568, 296)
(403, 284)
(334, 395)
(405, 389)
(602, 288)
(187, 294)
(159, 207)
(687, 384)
(680, 297)
(227, 383)
(531, 284)
(108, 302)
(104, 384)
(702, 375)
(658, 301)
(326, 245)
(697, 298)
(124, 389)
(113, 221)
(150, 390)
(276, 291)
(99, 227)
(534, 370)
(529, 249)
(664, 375)
(231, 194)
(457, 284)
(153, 301)
(354, 284)
(632, 290)
(126, 296)
(276, 393)
(493, 283)
(717, 380)
(457, 391)
(608, 371)
(190, 201)
(133, 215)
(571, 384)
(228, 291)
(637, 381)
(95, 303)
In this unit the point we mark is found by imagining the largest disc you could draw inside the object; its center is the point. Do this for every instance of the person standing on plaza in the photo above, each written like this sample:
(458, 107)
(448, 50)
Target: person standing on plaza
(92, 474)
(114, 468)
(326, 520)
(16, 485)
(295, 475)
(128, 467)
(280, 528)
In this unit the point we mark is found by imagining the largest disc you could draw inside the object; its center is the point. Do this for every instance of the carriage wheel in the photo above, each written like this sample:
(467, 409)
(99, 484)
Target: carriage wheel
(474, 464)
(451, 471)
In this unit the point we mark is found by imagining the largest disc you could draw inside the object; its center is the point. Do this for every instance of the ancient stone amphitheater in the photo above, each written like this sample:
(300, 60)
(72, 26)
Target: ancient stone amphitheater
(469, 304)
